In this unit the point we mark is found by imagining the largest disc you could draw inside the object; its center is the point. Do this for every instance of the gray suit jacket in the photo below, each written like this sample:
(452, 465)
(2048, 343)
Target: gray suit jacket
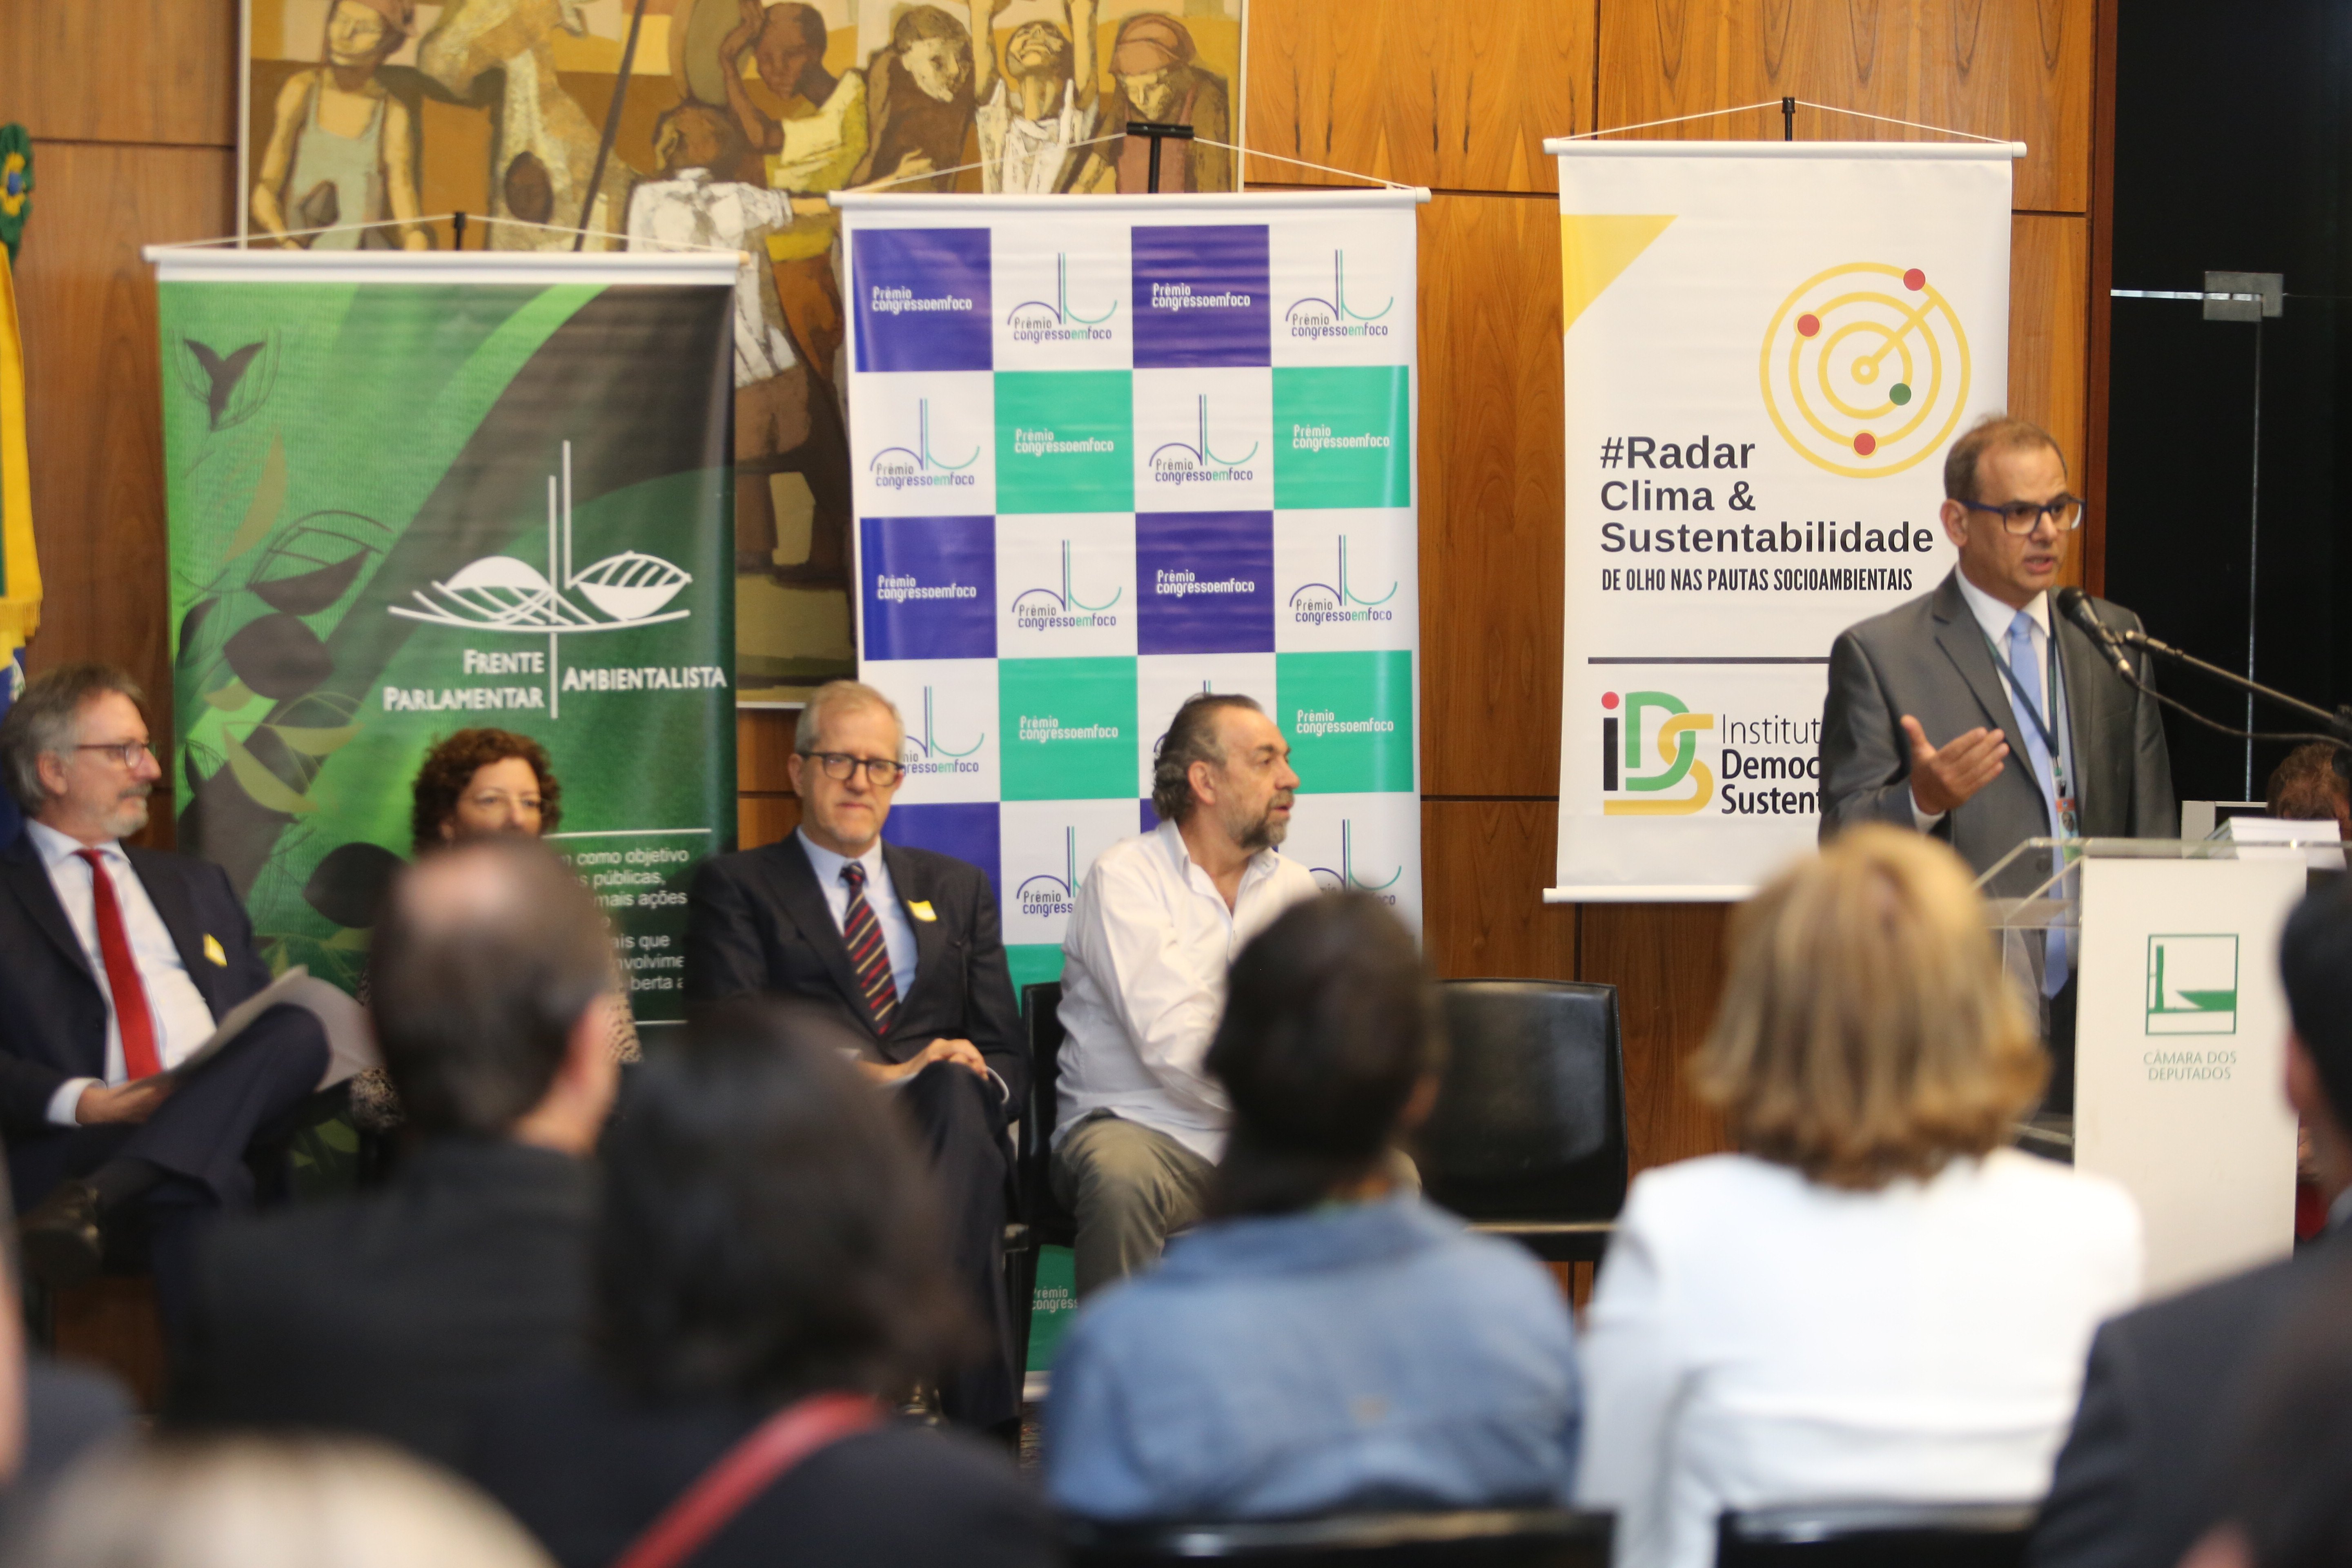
(1927, 657)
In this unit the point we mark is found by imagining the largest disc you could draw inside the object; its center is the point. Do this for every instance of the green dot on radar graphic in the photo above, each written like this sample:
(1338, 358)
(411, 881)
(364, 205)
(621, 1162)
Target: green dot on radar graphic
(1865, 369)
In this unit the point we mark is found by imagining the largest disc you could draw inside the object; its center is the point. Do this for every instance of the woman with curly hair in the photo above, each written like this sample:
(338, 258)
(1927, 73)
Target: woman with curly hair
(475, 782)
(484, 781)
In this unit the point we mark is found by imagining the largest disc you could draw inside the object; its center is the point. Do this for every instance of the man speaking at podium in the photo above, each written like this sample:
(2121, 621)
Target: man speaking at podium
(1977, 714)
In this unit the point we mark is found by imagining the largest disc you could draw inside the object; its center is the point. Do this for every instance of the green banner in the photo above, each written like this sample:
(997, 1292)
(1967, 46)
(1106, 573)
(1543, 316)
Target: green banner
(403, 507)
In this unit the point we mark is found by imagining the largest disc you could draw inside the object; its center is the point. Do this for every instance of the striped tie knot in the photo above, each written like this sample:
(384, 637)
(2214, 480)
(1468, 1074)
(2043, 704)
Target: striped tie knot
(869, 955)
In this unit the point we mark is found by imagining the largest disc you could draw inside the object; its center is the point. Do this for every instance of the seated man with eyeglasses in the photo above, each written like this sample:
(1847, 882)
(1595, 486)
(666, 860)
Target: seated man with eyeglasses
(1977, 714)
(903, 947)
(119, 961)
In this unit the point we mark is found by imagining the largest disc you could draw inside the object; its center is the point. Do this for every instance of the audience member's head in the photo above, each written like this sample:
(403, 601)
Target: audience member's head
(2286, 1483)
(2307, 787)
(74, 749)
(1867, 1030)
(491, 978)
(254, 1502)
(1223, 766)
(2316, 966)
(768, 1230)
(1330, 1046)
(480, 782)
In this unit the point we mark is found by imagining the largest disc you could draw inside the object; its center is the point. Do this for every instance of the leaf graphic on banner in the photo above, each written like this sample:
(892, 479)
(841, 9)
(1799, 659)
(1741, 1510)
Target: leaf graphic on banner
(229, 698)
(314, 742)
(266, 788)
(268, 495)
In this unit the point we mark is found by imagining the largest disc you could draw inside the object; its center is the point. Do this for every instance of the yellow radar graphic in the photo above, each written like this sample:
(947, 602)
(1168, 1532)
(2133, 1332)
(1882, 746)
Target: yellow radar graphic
(1865, 369)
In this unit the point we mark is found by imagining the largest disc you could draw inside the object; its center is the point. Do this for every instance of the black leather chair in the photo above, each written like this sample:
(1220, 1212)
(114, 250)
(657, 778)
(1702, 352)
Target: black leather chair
(1875, 1535)
(1044, 1221)
(1527, 1139)
(1476, 1538)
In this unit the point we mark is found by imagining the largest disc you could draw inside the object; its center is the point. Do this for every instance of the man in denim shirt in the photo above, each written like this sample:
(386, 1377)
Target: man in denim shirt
(1325, 1340)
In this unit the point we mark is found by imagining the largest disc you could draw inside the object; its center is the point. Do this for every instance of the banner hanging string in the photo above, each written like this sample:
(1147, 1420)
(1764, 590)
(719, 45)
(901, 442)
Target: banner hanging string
(1774, 103)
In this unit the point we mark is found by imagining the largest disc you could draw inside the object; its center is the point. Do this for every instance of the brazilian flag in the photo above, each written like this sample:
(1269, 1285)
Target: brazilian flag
(20, 571)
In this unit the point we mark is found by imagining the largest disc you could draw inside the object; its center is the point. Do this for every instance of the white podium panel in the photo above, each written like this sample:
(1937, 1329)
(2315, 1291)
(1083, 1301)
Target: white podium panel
(2179, 1056)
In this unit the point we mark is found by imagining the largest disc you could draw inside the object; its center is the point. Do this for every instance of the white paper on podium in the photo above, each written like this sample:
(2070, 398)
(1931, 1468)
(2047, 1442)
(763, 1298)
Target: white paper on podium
(2180, 1056)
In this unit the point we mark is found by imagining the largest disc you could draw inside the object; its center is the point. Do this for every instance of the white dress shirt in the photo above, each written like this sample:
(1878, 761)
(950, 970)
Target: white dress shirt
(897, 933)
(1756, 1338)
(1995, 618)
(182, 1018)
(1143, 982)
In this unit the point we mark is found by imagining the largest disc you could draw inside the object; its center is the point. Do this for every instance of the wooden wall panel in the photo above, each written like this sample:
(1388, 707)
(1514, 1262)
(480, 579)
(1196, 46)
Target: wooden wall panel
(1485, 864)
(1667, 962)
(2018, 69)
(1455, 97)
(94, 399)
(120, 71)
(2049, 324)
(1491, 526)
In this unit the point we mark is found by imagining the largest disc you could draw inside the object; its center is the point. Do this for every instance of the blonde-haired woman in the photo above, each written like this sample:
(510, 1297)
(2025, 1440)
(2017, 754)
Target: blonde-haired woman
(1874, 1299)
(268, 1502)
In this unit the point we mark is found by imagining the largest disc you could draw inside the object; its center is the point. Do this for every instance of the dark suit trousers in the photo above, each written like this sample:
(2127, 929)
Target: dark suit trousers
(197, 1138)
(959, 1121)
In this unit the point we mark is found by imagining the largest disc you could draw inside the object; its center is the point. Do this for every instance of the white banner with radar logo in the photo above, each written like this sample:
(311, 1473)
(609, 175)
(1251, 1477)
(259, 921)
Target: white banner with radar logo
(1769, 346)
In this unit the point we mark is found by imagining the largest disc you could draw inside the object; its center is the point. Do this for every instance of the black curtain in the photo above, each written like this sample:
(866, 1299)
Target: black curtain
(2231, 130)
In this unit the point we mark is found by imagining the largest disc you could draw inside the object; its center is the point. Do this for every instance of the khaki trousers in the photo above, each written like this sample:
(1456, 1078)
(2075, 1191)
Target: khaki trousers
(1130, 1187)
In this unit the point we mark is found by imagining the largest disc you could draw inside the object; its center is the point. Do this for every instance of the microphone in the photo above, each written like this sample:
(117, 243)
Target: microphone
(2075, 606)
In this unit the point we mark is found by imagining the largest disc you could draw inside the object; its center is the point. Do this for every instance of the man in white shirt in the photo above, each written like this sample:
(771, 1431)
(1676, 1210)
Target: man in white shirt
(119, 961)
(1159, 922)
(1974, 714)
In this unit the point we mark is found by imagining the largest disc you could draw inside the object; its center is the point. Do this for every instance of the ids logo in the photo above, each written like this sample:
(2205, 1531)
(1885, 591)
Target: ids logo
(1334, 318)
(1046, 895)
(1176, 463)
(1347, 876)
(918, 467)
(1042, 609)
(1043, 321)
(1677, 753)
(1324, 604)
(928, 754)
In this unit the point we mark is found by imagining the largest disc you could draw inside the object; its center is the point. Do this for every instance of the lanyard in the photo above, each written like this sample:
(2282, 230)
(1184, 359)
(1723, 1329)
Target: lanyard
(2068, 824)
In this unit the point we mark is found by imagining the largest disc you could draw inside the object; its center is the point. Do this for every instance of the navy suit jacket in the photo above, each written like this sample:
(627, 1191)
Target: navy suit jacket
(2134, 1485)
(53, 1005)
(757, 923)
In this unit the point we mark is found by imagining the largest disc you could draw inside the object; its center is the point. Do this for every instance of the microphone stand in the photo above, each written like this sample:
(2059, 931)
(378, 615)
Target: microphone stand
(2339, 723)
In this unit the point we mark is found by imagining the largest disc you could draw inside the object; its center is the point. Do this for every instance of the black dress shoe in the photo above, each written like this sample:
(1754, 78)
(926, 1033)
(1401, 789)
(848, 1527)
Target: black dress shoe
(60, 1236)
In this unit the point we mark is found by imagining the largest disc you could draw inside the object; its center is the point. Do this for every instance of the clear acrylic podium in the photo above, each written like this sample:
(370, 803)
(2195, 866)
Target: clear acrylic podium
(2180, 1031)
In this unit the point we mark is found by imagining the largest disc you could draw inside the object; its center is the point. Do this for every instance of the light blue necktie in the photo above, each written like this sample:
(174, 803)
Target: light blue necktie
(2025, 674)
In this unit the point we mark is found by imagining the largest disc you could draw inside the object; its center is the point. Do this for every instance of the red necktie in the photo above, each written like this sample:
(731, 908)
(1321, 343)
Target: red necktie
(868, 952)
(131, 1014)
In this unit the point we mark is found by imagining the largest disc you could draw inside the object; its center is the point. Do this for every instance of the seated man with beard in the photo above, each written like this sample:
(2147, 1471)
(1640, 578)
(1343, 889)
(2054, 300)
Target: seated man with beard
(1159, 922)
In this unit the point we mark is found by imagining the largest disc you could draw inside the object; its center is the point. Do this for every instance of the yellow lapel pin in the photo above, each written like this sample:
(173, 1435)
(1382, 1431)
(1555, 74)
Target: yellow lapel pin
(921, 910)
(213, 951)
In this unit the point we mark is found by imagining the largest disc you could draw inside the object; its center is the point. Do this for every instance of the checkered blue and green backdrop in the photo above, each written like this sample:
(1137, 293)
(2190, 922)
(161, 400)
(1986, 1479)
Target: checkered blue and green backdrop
(1111, 451)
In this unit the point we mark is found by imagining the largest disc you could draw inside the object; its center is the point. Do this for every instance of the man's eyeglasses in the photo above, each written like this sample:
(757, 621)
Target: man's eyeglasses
(880, 771)
(127, 752)
(2025, 516)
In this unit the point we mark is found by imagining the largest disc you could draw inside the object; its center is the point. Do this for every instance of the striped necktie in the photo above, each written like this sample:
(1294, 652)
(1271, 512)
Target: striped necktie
(869, 955)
